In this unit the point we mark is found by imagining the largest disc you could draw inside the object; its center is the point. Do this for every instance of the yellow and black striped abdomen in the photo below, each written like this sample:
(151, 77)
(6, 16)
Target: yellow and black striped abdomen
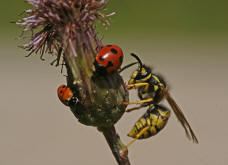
(151, 122)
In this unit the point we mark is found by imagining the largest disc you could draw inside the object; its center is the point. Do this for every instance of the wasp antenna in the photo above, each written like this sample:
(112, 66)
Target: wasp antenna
(138, 59)
(127, 66)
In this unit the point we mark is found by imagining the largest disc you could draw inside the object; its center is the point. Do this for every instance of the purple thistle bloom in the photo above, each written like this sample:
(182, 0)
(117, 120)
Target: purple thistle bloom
(53, 18)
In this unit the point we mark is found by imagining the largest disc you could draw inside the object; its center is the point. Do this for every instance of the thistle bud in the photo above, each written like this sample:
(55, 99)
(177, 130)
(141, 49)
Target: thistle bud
(66, 29)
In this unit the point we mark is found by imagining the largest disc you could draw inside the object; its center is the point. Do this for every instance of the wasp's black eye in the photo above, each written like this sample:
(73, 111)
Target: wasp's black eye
(139, 76)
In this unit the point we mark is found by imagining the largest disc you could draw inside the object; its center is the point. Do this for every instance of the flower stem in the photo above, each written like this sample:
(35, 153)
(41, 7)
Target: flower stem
(115, 145)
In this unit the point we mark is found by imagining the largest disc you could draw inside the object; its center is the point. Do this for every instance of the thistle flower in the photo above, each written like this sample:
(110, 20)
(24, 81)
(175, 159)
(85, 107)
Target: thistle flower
(66, 29)
(59, 21)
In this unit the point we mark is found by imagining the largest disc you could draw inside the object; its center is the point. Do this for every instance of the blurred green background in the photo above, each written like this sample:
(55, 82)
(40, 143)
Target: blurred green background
(185, 40)
(176, 17)
(136, 18)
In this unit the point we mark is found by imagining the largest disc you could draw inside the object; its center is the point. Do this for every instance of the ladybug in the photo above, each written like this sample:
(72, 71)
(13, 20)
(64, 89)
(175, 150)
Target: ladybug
(66, 96)
(109, 59)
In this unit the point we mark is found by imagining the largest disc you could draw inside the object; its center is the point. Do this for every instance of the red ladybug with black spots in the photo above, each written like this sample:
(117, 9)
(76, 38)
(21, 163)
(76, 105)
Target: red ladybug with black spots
(109, 59)
(67, 96)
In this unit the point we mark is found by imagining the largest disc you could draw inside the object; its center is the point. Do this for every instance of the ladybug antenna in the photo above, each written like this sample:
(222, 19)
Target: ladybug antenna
(127, 66)
(138, 59)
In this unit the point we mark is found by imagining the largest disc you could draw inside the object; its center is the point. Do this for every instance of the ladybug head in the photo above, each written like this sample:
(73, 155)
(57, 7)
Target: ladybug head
(142, 74)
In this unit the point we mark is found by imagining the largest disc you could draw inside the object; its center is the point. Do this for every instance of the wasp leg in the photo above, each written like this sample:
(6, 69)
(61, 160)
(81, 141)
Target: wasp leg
(139, 102)
(134, 108)
(137, 85)
(131, 142)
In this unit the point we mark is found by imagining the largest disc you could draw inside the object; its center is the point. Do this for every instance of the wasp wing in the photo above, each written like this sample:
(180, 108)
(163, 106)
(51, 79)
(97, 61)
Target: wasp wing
(180, 116)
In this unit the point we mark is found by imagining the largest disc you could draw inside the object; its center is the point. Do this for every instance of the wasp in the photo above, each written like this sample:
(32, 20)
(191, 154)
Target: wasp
(152, 89)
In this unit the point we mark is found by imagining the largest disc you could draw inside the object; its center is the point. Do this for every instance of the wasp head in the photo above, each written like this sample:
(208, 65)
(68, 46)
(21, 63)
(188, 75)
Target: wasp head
(142, 74)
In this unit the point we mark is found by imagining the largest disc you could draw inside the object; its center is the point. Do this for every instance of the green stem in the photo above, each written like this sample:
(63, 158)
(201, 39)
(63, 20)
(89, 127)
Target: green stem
(115, 145)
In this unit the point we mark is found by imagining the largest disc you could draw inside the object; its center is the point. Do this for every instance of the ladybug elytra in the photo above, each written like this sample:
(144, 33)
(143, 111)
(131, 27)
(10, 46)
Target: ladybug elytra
(66, 95)
(109, 59)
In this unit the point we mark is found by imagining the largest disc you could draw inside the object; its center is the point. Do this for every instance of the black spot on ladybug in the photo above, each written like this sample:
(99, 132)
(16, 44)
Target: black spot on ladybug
(64, 86)
(121, 59)
(109, 64)
(114, 51)
(108, 45)
(61, 92)
(101, 58)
